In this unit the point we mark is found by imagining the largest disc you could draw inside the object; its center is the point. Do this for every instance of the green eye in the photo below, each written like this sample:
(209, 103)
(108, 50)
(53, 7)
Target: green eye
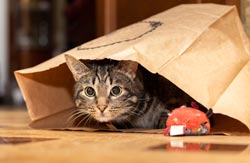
(89, 91)
(116, 91)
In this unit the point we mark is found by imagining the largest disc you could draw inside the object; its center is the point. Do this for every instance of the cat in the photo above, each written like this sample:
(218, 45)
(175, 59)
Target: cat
(115, 92)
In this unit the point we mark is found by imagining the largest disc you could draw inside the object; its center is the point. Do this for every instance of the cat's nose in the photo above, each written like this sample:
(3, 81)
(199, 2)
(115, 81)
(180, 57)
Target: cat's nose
(102, 108)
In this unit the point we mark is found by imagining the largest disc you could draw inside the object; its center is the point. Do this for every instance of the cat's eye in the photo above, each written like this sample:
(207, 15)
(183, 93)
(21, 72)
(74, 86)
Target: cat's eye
(116, 91)
(89, 91)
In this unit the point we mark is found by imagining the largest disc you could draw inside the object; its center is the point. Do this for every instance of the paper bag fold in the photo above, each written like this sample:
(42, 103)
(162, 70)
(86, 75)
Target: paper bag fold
(200, 48)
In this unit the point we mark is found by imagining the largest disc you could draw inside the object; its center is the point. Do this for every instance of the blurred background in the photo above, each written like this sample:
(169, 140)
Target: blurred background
(32, 31)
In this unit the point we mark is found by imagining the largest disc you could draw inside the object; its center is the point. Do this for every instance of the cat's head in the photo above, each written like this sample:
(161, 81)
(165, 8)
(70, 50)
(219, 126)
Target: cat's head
(107, 92)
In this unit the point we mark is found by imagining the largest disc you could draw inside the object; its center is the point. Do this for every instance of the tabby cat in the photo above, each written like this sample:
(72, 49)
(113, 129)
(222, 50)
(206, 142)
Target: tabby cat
(114, 92)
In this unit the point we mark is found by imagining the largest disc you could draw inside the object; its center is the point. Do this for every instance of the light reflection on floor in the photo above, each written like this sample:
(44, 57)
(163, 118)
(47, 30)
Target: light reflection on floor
(207, 147)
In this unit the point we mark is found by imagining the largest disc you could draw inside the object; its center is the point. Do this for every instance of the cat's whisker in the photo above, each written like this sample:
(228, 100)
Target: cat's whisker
(76, 112)
(72, 116)
(70, 123)
(88, 118)
(114, 109)
(97, 123)
(78, 115)
(72, 112)
(83, 119)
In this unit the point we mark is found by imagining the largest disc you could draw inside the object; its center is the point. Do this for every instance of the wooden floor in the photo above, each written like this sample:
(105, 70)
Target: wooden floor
(18, 144)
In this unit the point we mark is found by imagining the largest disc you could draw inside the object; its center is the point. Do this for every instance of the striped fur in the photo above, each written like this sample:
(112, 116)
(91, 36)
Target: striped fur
(133, 107)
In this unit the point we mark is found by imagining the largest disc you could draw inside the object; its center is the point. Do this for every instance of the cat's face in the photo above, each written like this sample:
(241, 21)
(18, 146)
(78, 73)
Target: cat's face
(106, 92)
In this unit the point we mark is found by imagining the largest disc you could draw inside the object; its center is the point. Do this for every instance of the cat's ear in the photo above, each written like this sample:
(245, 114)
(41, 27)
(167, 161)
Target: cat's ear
(129, 66)
(77, 68)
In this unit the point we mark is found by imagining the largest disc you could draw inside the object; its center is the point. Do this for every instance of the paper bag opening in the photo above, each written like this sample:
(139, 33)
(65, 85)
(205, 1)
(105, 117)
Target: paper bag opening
(54, 89)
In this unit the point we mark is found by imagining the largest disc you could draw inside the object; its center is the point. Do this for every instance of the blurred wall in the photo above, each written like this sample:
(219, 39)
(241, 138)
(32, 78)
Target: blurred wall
(3, 45)
(245, 15)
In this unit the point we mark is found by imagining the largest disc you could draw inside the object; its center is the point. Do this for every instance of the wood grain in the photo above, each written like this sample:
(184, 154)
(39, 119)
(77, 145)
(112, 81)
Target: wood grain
(107, 147)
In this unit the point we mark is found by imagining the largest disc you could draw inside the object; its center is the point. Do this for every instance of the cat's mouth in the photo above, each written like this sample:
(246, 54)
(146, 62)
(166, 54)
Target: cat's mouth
(103, 117)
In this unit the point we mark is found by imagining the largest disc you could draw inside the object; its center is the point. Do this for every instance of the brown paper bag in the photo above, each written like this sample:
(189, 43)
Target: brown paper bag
(201, 48)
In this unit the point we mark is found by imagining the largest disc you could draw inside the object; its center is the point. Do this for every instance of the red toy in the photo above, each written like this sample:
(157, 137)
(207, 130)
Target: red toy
(187, 121)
